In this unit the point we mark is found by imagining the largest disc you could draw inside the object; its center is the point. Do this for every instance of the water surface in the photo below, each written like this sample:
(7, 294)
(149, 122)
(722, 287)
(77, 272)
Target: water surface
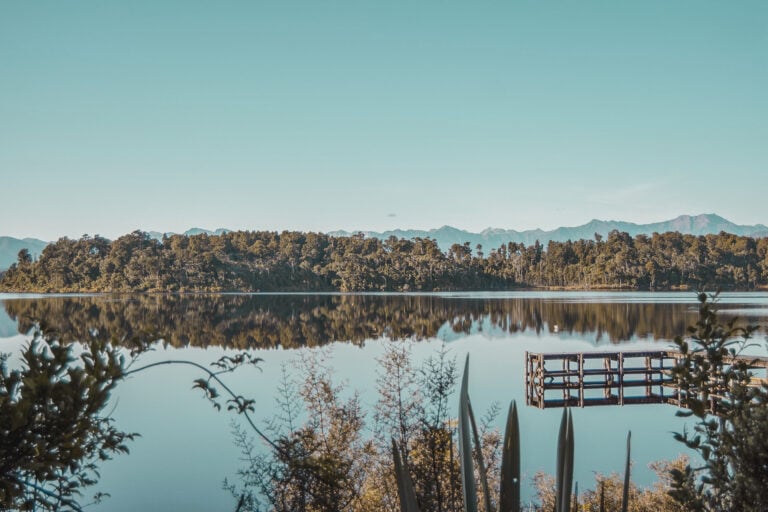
(186, 449)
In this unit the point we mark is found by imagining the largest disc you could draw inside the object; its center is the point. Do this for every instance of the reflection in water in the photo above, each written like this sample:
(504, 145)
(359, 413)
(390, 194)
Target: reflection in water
(289, 321)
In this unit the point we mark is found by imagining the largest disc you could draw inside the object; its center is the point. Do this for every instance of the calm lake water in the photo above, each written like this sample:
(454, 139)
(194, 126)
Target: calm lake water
(185, 450)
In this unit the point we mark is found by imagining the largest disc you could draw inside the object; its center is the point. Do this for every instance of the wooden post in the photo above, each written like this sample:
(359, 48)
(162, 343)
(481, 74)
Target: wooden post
(661, 376)
(608, 377)
(541, 381)
(648, 369)
(581, 379)
(621, 378)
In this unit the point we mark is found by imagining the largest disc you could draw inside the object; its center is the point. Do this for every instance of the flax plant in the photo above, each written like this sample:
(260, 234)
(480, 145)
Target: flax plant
(509, 488)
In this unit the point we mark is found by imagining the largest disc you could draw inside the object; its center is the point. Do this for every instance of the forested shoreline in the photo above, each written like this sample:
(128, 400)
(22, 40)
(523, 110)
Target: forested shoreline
(290, 261)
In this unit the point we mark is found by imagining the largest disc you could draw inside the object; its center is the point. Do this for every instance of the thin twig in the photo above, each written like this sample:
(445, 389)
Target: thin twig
(214, 376)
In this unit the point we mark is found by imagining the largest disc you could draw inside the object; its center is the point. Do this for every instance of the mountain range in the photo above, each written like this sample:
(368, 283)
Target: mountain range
(190, 232)
(492, 238)
(489, 238)
(10, 247)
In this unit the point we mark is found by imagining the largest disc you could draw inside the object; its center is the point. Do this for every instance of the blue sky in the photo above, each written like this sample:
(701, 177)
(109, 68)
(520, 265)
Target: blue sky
(323, 115)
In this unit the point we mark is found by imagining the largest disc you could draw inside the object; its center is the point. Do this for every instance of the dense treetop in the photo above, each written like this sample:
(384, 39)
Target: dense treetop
(297, 261)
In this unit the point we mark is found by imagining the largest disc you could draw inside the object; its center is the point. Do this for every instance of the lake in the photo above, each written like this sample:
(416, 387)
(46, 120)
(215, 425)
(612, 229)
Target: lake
(186, 448)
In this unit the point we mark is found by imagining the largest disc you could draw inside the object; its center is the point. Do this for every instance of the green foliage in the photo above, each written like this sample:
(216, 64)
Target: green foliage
(560, 499)
(412, 448)
(296, 261)
(733, 442)
(53, 430)
(609, 490)
(53, 433)
(319, 465)
(432, 458)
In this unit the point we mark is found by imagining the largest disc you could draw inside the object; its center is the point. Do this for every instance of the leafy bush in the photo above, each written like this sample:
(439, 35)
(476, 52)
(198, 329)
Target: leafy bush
(730, 406)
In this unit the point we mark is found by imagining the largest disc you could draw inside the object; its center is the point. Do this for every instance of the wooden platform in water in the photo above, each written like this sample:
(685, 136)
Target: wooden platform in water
(584, 379)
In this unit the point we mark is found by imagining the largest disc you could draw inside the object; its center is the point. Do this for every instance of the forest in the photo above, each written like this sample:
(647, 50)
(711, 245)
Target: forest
(265, 261)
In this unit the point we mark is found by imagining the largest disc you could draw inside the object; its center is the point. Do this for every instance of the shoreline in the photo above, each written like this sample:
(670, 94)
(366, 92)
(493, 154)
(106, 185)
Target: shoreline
(568, 289)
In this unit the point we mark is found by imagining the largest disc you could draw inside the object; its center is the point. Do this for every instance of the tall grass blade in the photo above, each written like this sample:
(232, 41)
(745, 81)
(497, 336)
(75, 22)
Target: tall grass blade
(625, 496)
(568, 471)
(465, 446)
(404, 483)
(576, 497)
(509, 492)
(564, 470)
(480, 461)
(560, 463)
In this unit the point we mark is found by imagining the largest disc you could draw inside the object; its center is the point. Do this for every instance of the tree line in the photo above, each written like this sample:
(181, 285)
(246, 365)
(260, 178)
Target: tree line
(253, 261)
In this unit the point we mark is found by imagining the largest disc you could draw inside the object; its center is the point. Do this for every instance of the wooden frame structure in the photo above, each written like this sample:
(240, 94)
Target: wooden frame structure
(583, 379)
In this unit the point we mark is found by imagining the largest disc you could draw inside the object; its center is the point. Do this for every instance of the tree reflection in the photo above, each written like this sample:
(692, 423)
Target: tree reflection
(290, 321)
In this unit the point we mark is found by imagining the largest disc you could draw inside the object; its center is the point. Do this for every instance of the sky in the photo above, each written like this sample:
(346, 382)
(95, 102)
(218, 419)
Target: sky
(372, 115)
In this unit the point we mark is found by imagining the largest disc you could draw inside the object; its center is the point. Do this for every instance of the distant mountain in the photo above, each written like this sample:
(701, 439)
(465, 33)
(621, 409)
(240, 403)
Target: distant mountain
(493, 238)
(190, 232)
(10, 247)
